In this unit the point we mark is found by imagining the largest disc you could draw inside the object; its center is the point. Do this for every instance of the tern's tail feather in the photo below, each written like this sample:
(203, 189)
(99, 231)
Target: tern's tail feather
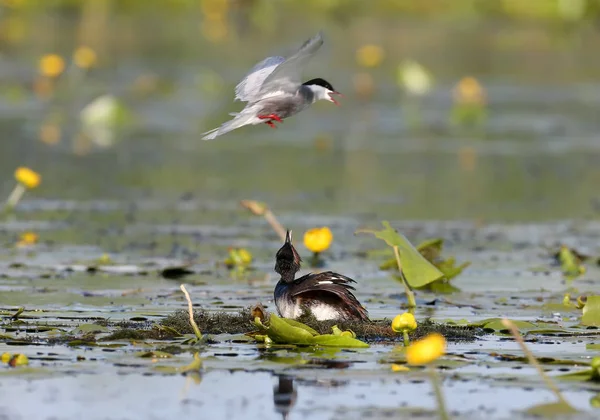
(240, 120)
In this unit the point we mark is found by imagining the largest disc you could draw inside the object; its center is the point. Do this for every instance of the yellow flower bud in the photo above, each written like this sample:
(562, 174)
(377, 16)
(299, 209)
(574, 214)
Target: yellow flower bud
(404, 322)
(52, 65)
(27, 177)
(6, 357)
(84, 57)
(318, 239)
(426, 350)
(18, 360)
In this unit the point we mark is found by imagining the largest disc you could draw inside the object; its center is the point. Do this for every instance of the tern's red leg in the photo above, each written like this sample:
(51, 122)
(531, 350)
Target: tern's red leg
(271, 124)
(271, 117)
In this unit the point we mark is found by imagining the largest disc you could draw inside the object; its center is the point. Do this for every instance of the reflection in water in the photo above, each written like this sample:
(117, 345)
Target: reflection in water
(284, 395)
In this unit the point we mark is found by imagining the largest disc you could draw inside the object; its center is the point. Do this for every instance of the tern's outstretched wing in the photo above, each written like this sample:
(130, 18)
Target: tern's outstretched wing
(247, 90)
(287, 76)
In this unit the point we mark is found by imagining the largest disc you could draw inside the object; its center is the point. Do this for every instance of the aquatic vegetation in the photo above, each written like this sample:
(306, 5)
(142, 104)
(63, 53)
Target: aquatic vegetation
(27, 239)
(470, 103)
(239, 259)
(197, 332)
(415, 271)
(370, 55)
(289, 331)
(561, 406)
(317, 240)
(51, 65)
(404, 323)
(85, 57)
(423, 352)
(570, 263)
(101, 119)
(26, 179)
(13, 360)
(261, 209)
(426, 350)
(414, 78)
(591, 311)
(431, 249)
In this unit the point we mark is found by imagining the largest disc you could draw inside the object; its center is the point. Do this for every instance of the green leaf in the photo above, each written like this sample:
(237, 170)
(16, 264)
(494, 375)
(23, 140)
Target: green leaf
(416, 269)
(570, 264)
(591, 312)
(551, 410)
(289, 331)
(431, 249)
(280, 331)
(332, 340)
(297, 324)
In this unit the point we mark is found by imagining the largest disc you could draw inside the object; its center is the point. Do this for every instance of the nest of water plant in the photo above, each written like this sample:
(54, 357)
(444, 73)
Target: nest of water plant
(371, 331)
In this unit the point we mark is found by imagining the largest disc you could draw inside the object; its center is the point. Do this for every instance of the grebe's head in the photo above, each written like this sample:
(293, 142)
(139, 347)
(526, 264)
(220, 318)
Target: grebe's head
(288, 260)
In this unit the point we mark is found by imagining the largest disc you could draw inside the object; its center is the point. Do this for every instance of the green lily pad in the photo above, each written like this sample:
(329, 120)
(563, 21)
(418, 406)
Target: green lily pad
(497, 325)
(416, 269)
(551, 410)
(592, 347)
(89, 328)
(591, 312)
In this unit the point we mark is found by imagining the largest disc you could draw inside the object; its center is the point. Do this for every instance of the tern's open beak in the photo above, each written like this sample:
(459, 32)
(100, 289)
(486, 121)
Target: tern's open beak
(333, 92)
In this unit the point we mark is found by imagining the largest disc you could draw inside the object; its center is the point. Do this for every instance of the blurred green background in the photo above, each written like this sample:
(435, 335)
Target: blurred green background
(454, 109)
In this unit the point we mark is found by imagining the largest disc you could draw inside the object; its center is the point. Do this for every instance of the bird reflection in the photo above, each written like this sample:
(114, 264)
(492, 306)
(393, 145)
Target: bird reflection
(284, 395)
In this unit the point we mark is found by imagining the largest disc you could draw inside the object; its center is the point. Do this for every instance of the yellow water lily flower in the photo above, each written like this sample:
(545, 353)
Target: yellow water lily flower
(404, 322)
(51, 65)
(318, 239)
(6, 357)
(28, 177)
(426, 350)
(27, 238)
(469, 91)
(370, 55)
(85, 57)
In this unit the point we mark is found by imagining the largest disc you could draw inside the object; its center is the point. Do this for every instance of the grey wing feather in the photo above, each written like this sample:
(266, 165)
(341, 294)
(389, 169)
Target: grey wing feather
(247, 90)
(287, 76)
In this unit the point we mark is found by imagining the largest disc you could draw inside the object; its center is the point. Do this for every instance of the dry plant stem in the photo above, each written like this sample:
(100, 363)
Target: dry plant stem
(409, 293)
(15, 195)
(191, 312)
(532, 360)
(270, 217)
(439, 397)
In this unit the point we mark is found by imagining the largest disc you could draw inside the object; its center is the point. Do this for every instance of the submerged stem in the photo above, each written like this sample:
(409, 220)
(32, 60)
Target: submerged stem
(532, 360)
(409, 293)
(439, 396)
(191, 312)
